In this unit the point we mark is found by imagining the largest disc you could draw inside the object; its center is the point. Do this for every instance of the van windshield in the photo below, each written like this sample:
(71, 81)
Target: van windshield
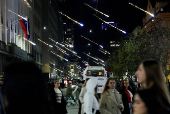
(95, 73)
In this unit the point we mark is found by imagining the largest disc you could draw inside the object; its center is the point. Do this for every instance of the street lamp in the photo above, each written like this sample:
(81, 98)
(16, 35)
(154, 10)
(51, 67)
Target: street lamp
(90, 30)
(88, 44)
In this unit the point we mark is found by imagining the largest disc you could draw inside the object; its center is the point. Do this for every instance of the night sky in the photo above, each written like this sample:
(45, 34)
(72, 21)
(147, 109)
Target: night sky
(127, 17)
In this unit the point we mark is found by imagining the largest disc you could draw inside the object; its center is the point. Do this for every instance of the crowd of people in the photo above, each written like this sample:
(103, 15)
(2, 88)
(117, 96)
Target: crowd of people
(24, 91)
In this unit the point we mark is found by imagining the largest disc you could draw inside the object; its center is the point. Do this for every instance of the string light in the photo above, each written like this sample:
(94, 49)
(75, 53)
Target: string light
(45, 43)
(91, 56)
(54, 68)
(142, 10)
(18, 15)
(101, 60)
(63, 46)
(110, 24)
(96, 44)
(96, 10)
(59, 56)
(71, 19)
(104, 51)
(95, 62)
(89, 40)
(29, 41)
(57, 42)
(63, 51)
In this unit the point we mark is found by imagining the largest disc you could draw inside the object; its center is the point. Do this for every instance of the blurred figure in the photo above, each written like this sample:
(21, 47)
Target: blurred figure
(59, 101)
(150, 76)
(111, 100)
(69, 89)
(77, 91)
(81, 96)
(126, 92)
(91, 99)
(133, 86)
(24, 90)
(149, 102)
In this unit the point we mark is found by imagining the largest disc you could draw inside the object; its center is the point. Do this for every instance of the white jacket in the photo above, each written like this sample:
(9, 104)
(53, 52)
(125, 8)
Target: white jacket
(81, 98)
(90, 100)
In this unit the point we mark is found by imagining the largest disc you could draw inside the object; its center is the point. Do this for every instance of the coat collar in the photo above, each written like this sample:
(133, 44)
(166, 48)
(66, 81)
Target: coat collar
(110, 95)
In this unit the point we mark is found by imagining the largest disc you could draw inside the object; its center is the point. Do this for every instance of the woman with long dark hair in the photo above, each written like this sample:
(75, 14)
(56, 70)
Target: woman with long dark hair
(150, 76)
(127, 95)
(111, 100)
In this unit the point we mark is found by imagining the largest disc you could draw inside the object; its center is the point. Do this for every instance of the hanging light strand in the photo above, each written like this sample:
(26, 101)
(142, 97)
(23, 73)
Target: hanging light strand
(142, 9)
(102, 50)
(89, 40)
(95, 62)
(57, 42)
(91, 56)
(45, 43)
(71, 19)
(110, 24)
(59, 56)
(61, 50)
(54, 68)
(96, 10)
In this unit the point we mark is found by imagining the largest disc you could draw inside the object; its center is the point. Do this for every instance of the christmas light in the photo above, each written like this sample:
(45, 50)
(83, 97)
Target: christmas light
(110, 24)
(89, 40)
(54, 68)
(96, 10)
(104, 51)
(59, 56)
(29, 41)
(60, 49)
(91, 56)
(95, 62)
(142, 10)
(71, 19)
(18, 15)
(45, 43)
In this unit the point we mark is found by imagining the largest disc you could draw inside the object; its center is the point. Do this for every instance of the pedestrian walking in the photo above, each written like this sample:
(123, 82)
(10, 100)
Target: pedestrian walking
(126, 92)
(111, 100)
(24, 90)
(91, 99)
(150, 76)
(148, 101)
(81, 96)
(77, 91)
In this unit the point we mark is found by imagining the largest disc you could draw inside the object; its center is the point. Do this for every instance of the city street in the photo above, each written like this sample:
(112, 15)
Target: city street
(72, 109)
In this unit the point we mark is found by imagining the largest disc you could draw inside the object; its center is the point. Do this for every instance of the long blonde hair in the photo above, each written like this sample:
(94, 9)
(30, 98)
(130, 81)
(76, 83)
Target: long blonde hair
(84, 85)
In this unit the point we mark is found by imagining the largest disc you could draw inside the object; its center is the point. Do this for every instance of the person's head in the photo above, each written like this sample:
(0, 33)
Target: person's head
(24, 89)
(110, 84)
(125, 83)
(78, 81)
(57, 84)
(147, 101)
(150, 73)
(84, 85)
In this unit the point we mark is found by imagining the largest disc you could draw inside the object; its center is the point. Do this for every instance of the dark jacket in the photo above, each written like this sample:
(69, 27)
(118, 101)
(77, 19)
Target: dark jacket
(57, 107)
(154, 101)
(69, 90)
(125, 100)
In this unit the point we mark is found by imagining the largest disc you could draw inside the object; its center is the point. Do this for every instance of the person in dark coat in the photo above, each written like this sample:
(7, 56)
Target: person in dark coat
(127, 96)
(58, 102)
(24, 90)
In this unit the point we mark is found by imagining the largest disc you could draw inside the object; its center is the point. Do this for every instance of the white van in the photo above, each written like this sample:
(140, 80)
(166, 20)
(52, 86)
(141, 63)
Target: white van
(96, 72)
